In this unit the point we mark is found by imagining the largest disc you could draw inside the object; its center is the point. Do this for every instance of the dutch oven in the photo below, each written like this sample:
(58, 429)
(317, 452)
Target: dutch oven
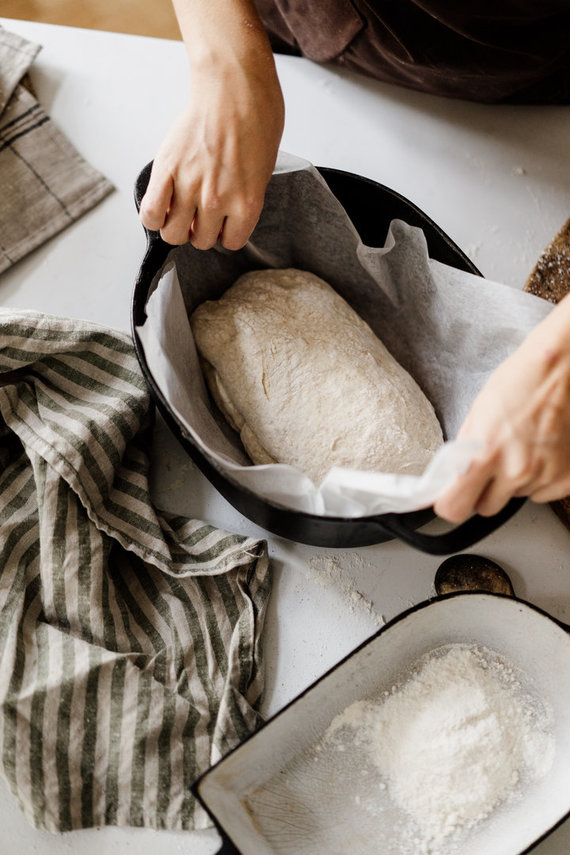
(371, 207)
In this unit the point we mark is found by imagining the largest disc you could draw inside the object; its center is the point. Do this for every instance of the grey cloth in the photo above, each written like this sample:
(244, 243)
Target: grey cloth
(130, 639)
(45, 184)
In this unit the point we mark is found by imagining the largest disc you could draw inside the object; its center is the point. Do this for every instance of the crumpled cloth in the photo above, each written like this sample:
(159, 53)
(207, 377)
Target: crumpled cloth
(45, 184)
(513, 51)
(130, 640)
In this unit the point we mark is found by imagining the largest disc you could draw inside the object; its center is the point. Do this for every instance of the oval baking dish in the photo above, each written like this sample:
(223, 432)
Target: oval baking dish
(371, 207)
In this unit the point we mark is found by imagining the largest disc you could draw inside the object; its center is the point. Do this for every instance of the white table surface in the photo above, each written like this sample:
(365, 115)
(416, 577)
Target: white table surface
(496, 179)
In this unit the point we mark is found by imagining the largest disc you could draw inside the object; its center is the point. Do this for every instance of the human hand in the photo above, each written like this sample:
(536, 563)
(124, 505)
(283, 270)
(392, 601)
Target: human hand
(209, 176)
(522, 417)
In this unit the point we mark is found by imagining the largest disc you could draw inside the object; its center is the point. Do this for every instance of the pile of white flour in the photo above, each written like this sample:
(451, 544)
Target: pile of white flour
(454, 741)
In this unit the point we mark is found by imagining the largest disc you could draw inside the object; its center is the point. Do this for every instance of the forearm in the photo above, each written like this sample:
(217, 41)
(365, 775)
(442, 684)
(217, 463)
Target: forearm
(222, 31)
(227, 47)
(552, 336)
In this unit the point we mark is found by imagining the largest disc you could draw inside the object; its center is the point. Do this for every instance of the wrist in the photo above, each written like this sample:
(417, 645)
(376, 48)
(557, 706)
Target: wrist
(551, 338)
(222, 33)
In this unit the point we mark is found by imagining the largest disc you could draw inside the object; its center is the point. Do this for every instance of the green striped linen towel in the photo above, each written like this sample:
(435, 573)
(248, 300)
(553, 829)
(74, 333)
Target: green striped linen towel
(130, 640)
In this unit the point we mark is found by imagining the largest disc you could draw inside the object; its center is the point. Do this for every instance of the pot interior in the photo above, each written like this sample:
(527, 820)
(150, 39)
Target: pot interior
(276, 794)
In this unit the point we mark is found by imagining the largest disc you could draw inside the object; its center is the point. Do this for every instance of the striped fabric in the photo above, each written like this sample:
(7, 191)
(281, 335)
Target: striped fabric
(130, 655)
(45, 185)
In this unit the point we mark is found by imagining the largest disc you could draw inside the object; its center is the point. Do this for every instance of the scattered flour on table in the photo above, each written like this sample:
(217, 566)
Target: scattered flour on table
(331, 572)
(459, 737)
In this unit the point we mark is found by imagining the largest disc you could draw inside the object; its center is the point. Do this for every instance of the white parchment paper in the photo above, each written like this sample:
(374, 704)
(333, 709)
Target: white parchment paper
(448, 328)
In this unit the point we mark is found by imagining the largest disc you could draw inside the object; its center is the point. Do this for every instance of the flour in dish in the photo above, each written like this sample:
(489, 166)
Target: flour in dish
(454, 741)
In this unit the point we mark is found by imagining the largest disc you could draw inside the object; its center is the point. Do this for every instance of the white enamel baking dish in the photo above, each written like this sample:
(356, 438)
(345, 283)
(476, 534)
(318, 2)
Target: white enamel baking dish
(322, 815)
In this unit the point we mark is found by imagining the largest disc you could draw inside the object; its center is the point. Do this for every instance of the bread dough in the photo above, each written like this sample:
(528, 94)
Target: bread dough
(305, 381)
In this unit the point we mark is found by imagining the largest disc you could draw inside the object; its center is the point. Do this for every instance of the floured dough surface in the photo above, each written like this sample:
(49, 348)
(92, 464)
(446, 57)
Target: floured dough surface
(305, 381)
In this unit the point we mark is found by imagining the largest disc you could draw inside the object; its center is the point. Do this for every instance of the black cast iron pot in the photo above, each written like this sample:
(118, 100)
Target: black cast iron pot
(371, 207)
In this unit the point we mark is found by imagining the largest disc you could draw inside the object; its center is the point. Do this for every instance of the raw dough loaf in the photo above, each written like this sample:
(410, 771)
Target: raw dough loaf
(305, 381)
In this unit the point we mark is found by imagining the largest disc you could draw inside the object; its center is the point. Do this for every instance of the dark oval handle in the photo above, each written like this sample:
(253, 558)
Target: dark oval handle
(155, 256)
(142, 183)
(154, 239)
(465, 535)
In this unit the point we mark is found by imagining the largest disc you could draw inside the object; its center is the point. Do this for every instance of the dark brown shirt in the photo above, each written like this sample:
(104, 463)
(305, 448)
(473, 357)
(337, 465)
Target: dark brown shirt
(481, 50)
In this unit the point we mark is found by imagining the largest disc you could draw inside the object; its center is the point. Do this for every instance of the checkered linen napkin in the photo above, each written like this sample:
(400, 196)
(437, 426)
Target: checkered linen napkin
(45, 185)
(130, 640)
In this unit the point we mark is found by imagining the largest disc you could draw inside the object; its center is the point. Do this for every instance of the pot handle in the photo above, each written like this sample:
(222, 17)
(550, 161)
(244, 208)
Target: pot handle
(465, 535)
(154, 240)
(142, 183)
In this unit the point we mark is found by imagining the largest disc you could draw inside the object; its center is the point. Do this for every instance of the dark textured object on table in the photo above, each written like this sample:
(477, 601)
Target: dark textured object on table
(470, 572)
(550, 279)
